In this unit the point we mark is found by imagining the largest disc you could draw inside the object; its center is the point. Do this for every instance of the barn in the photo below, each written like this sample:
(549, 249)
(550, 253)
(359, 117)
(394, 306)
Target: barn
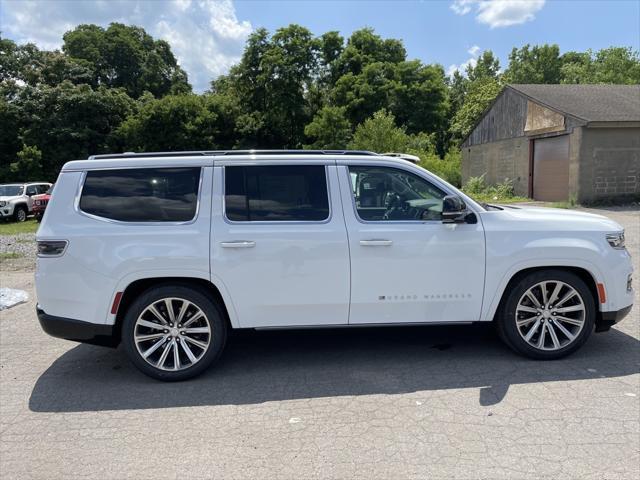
(560, 142)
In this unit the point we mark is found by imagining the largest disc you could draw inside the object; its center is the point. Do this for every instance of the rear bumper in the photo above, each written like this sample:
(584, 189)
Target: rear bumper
(77, 330)
(606, 320)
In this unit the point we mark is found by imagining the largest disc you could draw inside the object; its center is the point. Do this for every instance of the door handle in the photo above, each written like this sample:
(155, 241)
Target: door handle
(238, 244)
(376, 243)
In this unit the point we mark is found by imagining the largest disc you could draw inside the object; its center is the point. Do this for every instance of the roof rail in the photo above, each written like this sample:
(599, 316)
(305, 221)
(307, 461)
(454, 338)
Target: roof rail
(229, 152)
(403, 156)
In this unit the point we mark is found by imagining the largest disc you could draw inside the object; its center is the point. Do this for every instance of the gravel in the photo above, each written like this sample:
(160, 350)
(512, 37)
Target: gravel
(18, 252)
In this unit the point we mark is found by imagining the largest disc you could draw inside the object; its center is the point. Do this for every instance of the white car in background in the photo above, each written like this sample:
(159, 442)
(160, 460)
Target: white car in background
(16, 199)
(168, 252)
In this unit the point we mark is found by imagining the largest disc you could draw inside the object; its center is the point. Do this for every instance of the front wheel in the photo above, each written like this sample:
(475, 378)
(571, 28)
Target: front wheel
(20, 215)
(547, 314)
(174, 332)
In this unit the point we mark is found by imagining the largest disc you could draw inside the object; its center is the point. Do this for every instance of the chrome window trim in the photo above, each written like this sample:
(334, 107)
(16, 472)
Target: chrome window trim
(276, 222)
(394, 222)
(78, 196)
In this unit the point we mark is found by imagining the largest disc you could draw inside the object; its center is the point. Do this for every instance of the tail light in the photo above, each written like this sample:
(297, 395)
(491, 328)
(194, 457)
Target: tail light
(51, 248)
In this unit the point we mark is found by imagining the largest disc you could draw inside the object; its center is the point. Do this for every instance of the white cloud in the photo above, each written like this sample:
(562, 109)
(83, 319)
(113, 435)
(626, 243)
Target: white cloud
(472, 61)
(499, 13)
(474, 51)
(205, 35)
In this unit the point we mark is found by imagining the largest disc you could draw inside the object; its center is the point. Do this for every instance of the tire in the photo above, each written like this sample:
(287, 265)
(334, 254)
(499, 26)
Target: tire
(20, 214)
(545, 333)
(38, 217)
(192, 358)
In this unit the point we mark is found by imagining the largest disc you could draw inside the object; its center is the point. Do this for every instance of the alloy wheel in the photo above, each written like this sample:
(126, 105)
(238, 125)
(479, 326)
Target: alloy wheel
(550, 315)
(172, 334)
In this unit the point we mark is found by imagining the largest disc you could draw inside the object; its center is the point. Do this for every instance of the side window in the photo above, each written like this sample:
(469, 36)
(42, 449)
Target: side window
(279, 193)
(142, 194)
(393, 194)
(31, 190)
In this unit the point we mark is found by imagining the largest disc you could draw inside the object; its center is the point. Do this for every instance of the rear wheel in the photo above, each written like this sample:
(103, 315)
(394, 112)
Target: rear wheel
(20, 215)
(173, 333)
(547, 314)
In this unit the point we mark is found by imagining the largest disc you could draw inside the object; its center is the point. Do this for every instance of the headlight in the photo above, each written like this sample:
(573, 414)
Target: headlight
(3, 203)
(616, 240)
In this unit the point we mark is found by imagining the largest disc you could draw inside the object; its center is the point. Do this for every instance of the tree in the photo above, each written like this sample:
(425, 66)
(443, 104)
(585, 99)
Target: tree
(329, 129)
(480, 95)
(380, 134)
(617, 65)
(487, 66)
(537, 64)
(127, 57)
(10, 143)
(174, 122)
(28, 166)
(27, 64)
(68, 122)
(364, 47)
(271, 83)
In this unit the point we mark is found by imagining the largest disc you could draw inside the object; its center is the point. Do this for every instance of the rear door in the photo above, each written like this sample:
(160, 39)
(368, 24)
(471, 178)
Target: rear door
(279, 243)
(406, 265)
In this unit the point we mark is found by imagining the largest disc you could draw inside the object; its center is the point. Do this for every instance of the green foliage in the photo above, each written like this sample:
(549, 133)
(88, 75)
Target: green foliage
(487, 66)
(499, 193)
(270, 83)
(29, 164)
(478, 98)
(448, 168)
(380, 134)
(537, 64)
(611, 65)
(68, 122)
(329, 129)
(127, 57)
(176, 122)
(10, 143)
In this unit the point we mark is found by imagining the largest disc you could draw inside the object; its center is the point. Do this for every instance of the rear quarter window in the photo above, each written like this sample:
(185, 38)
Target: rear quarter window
(142, 195)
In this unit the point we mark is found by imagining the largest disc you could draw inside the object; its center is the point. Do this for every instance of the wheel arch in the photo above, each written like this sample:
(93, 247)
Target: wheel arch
(21, 204)
(586, 275)
(136, 287)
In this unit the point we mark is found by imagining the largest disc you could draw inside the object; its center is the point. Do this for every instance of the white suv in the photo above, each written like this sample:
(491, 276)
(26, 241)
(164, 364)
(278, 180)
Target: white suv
(16, 200)
(167, 252)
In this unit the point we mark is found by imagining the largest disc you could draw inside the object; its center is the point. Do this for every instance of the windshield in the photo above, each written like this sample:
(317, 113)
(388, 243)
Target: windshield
(10, 190)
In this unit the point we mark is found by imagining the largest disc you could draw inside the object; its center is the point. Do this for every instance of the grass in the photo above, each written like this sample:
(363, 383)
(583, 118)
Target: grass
(14, 228)
(9, 255)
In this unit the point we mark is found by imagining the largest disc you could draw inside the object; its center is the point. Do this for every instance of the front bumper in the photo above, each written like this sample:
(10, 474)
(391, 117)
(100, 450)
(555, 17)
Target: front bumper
(77, 330)
(606, 320)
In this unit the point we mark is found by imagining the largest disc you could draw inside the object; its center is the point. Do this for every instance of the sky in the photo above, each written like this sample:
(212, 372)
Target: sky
(208, 36)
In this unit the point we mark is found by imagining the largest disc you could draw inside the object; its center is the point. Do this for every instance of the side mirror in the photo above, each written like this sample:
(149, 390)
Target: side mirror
(454, 210)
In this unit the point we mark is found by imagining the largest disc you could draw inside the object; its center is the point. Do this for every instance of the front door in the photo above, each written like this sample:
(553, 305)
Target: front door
(406, 265)
(279, 243)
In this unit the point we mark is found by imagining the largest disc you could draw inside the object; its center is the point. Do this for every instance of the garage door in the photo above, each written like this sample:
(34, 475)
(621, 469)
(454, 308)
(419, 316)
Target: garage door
(551, 169)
